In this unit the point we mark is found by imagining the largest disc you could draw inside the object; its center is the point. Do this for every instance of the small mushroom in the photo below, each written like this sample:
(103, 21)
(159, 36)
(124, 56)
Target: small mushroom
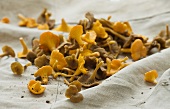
(137, 50)
(64, 27)
(57, 60)
(72, 93)
(151, 76)
(28, 22)
(31, 56)
(44, 18)
(44, 72)
(115, 65)
(89, 80)
(72, 62)
(25, 51)
(5, 20)
(49, 41)
(76, 83)
(43, 27)
(72, 90)
(76, 98)
(35, 87)
(91, 19)
(100, 31)
(122, 27)
(80, 69)
(18, 69)
(7, 51)
(76, 33)
(89, 37)
(41, 61)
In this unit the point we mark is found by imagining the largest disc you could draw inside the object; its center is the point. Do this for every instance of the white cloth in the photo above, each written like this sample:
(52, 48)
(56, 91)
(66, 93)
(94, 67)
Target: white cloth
(124, 90)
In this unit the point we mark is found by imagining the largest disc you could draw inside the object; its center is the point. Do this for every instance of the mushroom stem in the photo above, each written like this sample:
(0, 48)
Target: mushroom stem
(126, 50)
(25, 48)
(4, 54)
(92, 77)
(37, 86)
(55, 75)
(115, 33)
(108, 43)
(124, 59)
(167, 31)
(21, 17)
(96, 54)
(70, 71)
(26, 65)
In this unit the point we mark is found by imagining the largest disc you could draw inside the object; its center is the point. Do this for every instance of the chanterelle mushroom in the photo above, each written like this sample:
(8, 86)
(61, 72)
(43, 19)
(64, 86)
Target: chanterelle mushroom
(28, 22)
(76, 33)
(72, 93)
(44, 72)
(5, 20)
(35, 87)
(41, 61)
(17, 68)
(137, 50)
(64, 27)
(80, 69)
(25, 51)
(57, 60)
(49, 41)
(151, 76)
(7, 51)
(100, 31)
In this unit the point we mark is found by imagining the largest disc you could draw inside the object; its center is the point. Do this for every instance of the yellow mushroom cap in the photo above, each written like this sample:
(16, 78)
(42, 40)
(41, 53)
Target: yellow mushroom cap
(35, 87)
(49, 41)
(43, 26)
(100, 31)
(17, 68)
(151, 76)
(89, 37)
(138, 50)
(76, 33)
(5, 20)
(72, 90)
(64, 27)
(44, 72)
(8, 51)
(115, 64)
(57, 60)
(122, 27)
(31, 23)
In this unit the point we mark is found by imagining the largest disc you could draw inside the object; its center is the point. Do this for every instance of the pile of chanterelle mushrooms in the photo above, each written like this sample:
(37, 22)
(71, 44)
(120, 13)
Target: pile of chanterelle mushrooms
(89, 55)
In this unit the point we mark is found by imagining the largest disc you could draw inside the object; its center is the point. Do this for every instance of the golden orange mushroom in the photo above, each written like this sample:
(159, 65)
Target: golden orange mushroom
(137, 50)
(44, 72)
(49, 41)
(90, 37)
(25, 51)
(151, 76)
(57, 60)
(5, 20)
(113, 66)
(122, 27)
(64, 27)
(35, 87)
(100, 31)
(7, 51)
(76, 33)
